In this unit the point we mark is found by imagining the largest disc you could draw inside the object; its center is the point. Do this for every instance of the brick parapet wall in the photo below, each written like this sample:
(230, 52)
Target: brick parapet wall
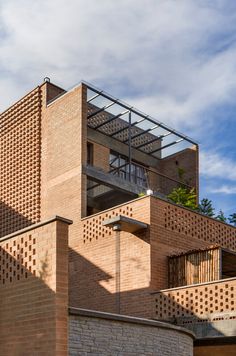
(34, 290)
(175, 229)
(201, 301)
(94, 258)
(109, 334)
(143, 260)
(191, 224)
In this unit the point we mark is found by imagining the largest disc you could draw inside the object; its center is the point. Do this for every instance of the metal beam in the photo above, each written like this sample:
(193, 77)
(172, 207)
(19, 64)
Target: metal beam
(112, 181)
(169, 144)
(95, 96)
(155, 139)
(130, 158)
(135, 111)
(101, 109)
(111, 119)
(125, 128)
(113, 143)
(143, 132)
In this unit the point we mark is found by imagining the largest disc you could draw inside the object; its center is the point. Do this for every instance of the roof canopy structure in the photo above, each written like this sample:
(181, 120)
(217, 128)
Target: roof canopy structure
(126, 124)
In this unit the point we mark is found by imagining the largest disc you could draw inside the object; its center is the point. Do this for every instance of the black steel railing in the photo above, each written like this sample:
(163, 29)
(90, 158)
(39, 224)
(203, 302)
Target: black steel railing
(151, 179)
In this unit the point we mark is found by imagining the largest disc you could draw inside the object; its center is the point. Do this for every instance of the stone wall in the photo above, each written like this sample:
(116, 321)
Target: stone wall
(96, 333)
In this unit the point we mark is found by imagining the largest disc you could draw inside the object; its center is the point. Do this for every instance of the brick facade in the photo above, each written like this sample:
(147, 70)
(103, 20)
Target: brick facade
(34, 290)
(143, 256)
(20, 159)
(43, 155)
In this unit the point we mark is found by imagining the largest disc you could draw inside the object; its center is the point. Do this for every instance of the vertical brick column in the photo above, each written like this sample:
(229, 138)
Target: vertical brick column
(34, 290)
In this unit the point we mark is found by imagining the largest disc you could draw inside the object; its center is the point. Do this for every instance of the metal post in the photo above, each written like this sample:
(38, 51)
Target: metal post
(116, 228)
(130, 159)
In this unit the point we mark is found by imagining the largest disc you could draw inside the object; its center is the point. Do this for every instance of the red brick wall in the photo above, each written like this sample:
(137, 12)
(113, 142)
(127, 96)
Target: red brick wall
(20, 157)
(175, 229)
(93, 260)
(63, 151)
(101, 156)
(201, 301)
(20, 164)
(143, 257)
(34, 291)
(186, 160)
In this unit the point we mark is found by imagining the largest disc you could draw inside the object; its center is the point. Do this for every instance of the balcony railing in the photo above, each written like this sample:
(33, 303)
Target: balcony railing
(147, 178)
(200, 300)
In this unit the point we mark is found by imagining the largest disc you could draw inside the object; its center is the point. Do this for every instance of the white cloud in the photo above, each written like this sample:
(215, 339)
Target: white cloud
(224, 189)
(213, 165)
(154, 53)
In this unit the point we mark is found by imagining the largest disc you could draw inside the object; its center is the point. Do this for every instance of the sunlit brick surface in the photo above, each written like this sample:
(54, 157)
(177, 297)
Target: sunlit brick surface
(17, 258)
(93, 228)
(199, 300)
(20, 164)
(189, 223)
(34, 291)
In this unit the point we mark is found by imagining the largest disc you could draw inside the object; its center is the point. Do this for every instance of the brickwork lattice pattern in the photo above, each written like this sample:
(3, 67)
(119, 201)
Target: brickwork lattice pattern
(17, 258)
(93, 228)
(119, 124)
(189, 223)
(199, 300)
(20, 164)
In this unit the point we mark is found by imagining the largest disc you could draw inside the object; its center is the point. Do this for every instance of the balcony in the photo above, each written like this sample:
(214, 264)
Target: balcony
(208, 309)
(133, 153)
(124, 182)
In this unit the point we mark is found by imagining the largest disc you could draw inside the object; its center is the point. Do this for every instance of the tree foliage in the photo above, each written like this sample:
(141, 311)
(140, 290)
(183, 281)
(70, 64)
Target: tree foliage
(232, 219)
(221, 216)
(183, 196)
(205, 207)
(187, 198)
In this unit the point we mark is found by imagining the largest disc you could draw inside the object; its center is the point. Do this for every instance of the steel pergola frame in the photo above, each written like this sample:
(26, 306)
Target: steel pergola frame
(145, 134)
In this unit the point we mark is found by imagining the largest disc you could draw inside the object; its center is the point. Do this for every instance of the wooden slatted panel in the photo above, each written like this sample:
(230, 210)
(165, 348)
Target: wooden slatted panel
(196, 267)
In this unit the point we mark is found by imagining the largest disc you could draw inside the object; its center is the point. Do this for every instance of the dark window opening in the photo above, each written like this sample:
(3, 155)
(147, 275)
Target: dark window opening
(90, 153)
(119, 166)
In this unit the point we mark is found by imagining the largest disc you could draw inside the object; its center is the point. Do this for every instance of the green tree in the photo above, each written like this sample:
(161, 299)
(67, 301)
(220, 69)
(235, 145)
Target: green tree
(206, 208)
(183, 196)
(221, 216)
(232, 219)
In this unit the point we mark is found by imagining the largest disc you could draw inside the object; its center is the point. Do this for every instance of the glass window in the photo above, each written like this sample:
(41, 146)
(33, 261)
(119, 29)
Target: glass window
(119, 166)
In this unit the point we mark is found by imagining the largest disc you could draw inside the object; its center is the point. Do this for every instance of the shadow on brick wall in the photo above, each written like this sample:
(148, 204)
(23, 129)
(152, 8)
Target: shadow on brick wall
(92, 288)
(11, 220)
(27, 308)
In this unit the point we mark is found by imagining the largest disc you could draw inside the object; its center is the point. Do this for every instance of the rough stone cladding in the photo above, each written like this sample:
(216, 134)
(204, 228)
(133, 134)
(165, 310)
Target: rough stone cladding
(98, 336)
(20, 163)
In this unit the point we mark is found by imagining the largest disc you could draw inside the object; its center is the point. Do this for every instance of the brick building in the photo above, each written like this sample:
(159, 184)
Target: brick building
(129, 253)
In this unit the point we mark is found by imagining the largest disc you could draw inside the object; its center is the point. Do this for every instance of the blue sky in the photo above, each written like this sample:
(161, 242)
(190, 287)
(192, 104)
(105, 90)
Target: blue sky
(175, 60)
